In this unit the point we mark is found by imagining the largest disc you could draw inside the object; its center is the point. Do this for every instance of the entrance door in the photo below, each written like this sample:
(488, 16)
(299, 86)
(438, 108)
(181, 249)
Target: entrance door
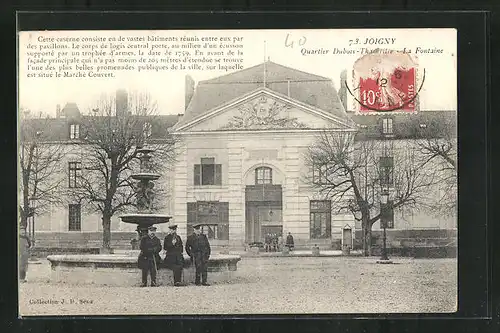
(260, 200)
(252, 224)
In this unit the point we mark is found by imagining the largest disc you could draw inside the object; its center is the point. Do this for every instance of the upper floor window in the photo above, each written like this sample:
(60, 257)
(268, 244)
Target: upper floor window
(320, 174)
(147, 130)
(386, 170)
(75, 217)
(263, 175)
(387, 127)
(75, 174)
(207, 172)
(74, 131)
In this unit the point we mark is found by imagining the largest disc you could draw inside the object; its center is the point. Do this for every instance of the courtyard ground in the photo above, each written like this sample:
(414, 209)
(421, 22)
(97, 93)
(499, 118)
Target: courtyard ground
(264, 285)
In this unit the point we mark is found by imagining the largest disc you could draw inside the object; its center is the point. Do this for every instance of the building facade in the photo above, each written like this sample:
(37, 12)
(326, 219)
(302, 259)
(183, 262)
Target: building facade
(241, 164)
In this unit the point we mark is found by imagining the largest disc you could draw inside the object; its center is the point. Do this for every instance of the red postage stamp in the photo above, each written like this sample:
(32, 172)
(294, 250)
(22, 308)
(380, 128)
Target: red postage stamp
(386, 81)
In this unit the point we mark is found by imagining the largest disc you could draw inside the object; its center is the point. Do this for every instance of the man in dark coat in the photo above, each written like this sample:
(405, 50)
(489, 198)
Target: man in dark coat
(289, 241)
(198, 248)
(24, 254)
(149, 258)
(174, 259)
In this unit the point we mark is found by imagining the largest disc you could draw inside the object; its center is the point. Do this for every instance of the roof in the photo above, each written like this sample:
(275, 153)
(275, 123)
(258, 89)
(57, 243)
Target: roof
(70, 110)
(408, 125)
(58, 129)
(314, 90)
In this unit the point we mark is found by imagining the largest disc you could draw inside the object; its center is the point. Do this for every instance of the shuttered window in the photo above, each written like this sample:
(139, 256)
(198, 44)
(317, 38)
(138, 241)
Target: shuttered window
(207, 172)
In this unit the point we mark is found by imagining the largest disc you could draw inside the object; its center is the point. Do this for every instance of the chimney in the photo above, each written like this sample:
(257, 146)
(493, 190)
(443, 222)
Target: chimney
(58, 110)
(189, 90)
(121, 102)
(343, 89)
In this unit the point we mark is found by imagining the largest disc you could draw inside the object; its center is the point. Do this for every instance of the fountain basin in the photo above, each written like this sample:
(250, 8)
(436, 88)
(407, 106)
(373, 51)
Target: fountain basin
(145, 220)
(122, 270)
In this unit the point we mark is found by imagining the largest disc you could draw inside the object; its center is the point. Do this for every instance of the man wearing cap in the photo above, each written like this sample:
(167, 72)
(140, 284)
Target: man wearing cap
(198, 248)
(149, 258)
(174, 259)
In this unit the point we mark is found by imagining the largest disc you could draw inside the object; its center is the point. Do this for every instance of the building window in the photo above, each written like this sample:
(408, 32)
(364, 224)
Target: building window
(75, 217)
(321, 219)
(74, 131)
(387, 127)
(75, 174)
(386, 170)
(207, 172)
(213, 215)
(320, 174)
(147, 130)
(263, 175)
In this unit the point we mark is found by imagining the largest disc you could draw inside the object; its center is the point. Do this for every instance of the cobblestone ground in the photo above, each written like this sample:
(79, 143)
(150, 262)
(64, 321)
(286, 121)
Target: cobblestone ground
(265, 286)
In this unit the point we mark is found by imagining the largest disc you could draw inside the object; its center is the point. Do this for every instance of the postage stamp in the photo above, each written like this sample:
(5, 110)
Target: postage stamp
(386, 80)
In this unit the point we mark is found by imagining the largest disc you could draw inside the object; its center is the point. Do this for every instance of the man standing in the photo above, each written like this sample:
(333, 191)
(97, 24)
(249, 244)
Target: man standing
(174, 259)
(149, 258)
(289, 241)
(198, 248)
(24, 254)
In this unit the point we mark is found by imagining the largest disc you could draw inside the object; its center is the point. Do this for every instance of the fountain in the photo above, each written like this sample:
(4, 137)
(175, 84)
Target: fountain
(145, 196)
(121, 269)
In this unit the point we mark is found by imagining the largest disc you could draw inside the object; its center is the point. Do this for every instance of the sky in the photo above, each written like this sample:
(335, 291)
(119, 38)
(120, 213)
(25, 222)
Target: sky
(439, 91)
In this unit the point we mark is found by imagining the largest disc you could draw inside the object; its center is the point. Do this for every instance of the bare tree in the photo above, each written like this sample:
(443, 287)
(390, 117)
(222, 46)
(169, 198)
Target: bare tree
(111, 137)
(347, 171)
(436, 142)
(39, 162)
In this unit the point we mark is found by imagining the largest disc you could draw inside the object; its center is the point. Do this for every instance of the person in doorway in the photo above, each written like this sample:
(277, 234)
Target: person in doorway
(149, 258)
(280, 242)
(267, 242)
(275, 242)
(24, 254)
(289, 242)
(198, 248)
(174, 259)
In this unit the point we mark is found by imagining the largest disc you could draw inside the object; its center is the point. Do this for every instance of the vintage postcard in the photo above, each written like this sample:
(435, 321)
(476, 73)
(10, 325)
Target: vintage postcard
(237, 172)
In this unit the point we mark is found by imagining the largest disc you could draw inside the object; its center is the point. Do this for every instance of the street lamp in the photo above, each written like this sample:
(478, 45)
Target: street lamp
(385, 212)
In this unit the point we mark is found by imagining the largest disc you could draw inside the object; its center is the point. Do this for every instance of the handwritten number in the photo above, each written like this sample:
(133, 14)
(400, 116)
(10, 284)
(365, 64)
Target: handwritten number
(302, 40)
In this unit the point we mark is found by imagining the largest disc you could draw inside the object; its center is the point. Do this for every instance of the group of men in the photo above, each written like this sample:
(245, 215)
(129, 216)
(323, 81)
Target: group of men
(274, 242)
(197, 247)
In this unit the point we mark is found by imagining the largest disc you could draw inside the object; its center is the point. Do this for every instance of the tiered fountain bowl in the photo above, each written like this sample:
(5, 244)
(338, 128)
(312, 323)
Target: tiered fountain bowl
(122, 269)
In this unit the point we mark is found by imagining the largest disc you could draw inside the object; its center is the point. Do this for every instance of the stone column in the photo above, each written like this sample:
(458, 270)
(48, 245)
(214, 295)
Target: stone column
(236, 196)
(294, 216)
(180, 183)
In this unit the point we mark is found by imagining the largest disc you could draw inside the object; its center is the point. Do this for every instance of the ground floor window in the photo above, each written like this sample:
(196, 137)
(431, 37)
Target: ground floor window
(213, 214)
(321, 219)
(75, 217)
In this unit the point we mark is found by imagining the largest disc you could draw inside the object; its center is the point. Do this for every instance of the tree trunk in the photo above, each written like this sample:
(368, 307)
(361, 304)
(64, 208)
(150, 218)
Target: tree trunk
(24, 220)
(106, 231)
(367, 238)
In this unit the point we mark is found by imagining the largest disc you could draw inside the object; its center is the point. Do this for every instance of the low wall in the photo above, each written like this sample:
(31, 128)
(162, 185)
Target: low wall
(417, 243)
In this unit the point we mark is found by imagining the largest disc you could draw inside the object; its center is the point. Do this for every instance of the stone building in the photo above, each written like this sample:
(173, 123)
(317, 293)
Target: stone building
(240, 167)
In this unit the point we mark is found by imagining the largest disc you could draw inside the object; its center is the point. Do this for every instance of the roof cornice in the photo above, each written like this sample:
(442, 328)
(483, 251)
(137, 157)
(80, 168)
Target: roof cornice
(262, 90)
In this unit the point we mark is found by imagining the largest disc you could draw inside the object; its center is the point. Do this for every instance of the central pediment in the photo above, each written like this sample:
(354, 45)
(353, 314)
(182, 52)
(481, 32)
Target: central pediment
(262, 110)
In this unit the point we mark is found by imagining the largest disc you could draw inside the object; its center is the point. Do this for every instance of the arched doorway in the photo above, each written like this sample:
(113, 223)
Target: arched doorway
(263, 202)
